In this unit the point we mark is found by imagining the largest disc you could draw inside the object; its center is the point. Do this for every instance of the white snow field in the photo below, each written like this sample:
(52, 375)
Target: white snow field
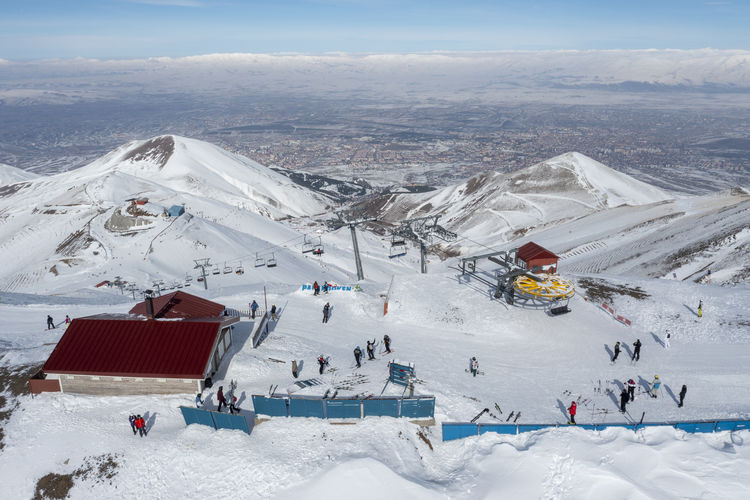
(78, 224)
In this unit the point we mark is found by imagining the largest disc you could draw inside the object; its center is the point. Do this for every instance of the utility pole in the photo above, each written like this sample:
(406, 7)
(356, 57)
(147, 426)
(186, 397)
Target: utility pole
(355, 246)
(202, 264)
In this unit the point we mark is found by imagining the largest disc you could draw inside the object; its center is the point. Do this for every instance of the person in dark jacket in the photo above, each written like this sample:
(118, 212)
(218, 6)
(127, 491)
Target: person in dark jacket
(220, 398)
(273, 313)
(358, 356)
(617, 352)
(131, 418)
(198, 400)
(387, 343)
(637, 350)
(631, 389)
(683, 391)
(572, 411)
(253, 308)
(624, 398)
(50, 322)
(322, 362)
(371, 349)
(316, 288)
(326, 311)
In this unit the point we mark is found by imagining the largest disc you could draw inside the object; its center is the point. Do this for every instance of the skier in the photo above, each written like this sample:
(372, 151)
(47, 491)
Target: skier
(623, 399)
(655, 385)
(253, 308)
(631, 389)
(387, 343)
(322, 362)
(316, 288)
(683, 391)
(220, 398)
(700, 308)
(50, 322)
(67, 320)
(140, 424)
(617, 352)
(198, 400)
(131, 418)
(637, 350)
(474, 366)
(233, 404)
(273, 313)
(358, 356)
(325, 287)
(708, 276)
(667, 336)
(572, 412)
(371, 349)
(326, 310)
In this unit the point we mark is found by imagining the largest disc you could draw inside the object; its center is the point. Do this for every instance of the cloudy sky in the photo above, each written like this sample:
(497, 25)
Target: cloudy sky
(34, 29)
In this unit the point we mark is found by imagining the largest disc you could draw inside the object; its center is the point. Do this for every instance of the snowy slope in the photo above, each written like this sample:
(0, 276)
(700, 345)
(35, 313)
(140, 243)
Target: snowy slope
(11, 175)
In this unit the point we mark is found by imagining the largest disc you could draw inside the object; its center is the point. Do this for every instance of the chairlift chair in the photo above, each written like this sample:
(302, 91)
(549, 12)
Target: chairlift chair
(240, 269)
(216, 270)
(398, 247)
(227, 269)
(187, 283)
(307, 246)
(271, 261)
(259, 261)
(188, 278)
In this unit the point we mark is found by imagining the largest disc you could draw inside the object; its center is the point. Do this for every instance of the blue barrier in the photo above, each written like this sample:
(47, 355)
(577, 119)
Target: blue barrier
(343, 408)
(299, 407)
(417, 408)
(497, 428)
(275, 407)
(227, 421)
(457, 430)
(380, 407)
(732, 425)
(532, 427)
(696, 426)
(197, 416)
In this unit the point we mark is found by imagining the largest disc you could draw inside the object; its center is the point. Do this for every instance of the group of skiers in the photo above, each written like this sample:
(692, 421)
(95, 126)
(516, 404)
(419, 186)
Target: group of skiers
(138, 425)
(51, 322)
(228, 400)
(316, 288)
(254, 309)
(371, 349)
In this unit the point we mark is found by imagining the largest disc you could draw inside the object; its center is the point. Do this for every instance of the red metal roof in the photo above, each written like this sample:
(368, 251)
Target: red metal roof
(134, 347)
(531, 251)
(180, 305)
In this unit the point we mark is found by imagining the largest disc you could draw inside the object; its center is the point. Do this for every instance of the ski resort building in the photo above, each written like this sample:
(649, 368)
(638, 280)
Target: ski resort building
(176, 210)
(532, 255)
(172, 348)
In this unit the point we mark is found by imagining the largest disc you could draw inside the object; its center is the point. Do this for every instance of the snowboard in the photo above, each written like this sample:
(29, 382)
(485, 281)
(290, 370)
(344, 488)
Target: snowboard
(479, 372)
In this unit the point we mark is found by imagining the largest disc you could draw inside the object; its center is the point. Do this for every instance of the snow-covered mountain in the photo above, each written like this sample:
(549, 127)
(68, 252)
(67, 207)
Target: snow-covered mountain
(11, 175)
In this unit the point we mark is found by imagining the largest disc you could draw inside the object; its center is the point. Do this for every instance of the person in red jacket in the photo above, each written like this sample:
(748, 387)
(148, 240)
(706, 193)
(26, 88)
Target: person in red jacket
(572, 411)
(140, 424)
(220, 398)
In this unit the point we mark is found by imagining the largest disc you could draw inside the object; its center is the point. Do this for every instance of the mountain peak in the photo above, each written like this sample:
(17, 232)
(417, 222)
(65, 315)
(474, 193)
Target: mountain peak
(157, 150)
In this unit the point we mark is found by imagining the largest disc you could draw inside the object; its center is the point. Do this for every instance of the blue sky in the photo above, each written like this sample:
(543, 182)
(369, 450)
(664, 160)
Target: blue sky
(34, 29)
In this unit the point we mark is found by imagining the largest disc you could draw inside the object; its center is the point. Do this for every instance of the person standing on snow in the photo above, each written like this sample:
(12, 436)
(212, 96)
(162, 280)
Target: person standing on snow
(572, 411)
(387, 343)
(322, 362)
(474, 366)
(325, 287)
(273, 313)
(220, 398)
(67, 320)
(50, 322)
(617, 352)
(358, 356)
(667, 336)
(624, 397)
(253, 308)
(631, 389)
(683, 391)
(131, 418)
(198, 400)
(371, 349)
(326, 311)
(700, 308)
(655, 385)
(316, 288)
(140, 424)
(233, 404)
(637, 350)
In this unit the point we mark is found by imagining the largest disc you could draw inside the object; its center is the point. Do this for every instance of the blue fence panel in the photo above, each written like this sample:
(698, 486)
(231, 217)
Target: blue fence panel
(453, 430)
(650, 424)
(343, 408)
(380, 407)
(497, 428)
(227, 421)
(696, 426)
(732, 425)
(275, 407)
(418, 408)
(299, 407)
(196, 416)
(588, 427)
(600, 427)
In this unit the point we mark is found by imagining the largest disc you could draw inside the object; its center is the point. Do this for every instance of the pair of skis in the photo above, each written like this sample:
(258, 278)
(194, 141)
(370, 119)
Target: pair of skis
(511, 416)
(479, 372)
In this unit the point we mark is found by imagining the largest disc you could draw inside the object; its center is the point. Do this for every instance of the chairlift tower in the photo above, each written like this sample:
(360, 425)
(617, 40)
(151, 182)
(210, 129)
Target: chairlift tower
(424, 230)
(202, 264)
(353, 223)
